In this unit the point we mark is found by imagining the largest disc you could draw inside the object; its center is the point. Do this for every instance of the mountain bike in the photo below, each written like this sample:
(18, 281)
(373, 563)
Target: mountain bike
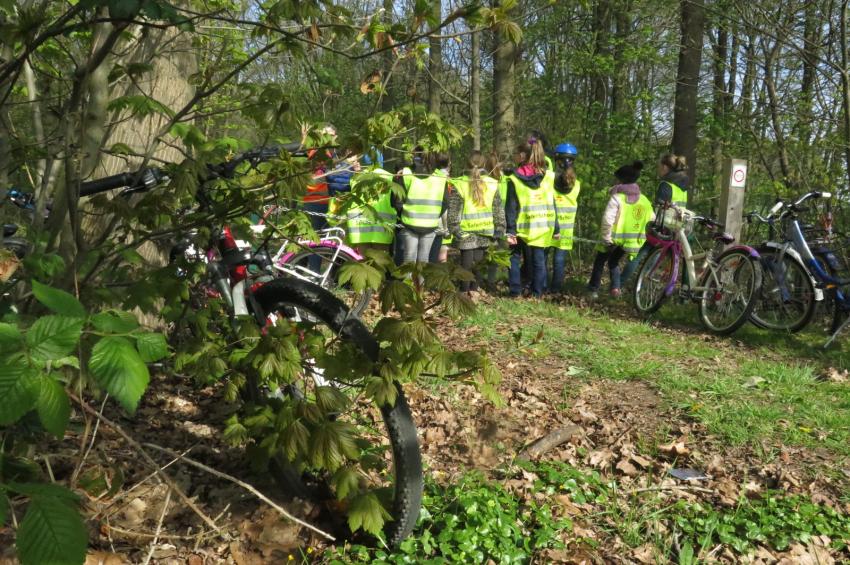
(727, 282)
(822, 267)
(375, 443)
(790, 292)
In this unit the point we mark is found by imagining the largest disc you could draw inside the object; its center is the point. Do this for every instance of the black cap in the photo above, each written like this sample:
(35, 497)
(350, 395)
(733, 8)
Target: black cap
(628, 174)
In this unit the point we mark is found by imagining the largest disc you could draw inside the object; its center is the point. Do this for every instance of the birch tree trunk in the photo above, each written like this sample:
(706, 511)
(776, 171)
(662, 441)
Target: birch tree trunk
(475, 90)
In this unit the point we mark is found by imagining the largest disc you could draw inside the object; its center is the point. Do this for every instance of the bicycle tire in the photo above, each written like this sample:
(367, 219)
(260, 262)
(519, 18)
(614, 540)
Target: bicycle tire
(769, 299)
(718, 295)
(655, 272)
(401, 430)
(360, 300)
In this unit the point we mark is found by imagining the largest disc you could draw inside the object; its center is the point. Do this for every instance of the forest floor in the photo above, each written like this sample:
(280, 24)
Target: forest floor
(762, 420)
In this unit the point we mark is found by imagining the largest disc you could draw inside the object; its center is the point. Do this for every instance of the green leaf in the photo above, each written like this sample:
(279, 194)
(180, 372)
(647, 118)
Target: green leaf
(49, 490)
(10, 338)
(52, 533)
(345, 481)
(115, 321)
(360, 275)
(367, 512)
(53, 406)
(53, 337)
(117, 367)
(58, 300)
(152, 346)
(18, 390)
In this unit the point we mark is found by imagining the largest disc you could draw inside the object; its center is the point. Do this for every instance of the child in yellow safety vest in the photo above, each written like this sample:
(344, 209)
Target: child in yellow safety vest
(623, 227)
(372, 225)
(673, 189)
(425, 201)
(476, 216)
(567, 189)
(530, 217)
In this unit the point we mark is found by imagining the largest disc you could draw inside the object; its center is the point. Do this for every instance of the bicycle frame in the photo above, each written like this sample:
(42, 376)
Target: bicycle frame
(331, 238)
(681, 249)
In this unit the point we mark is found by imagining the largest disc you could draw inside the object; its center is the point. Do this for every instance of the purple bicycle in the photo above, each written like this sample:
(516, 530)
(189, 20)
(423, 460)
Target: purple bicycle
(728, 281)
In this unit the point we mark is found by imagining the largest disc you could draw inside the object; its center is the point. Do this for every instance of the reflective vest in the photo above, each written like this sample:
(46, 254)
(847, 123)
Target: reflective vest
(424, 201)
(678, 197)
(365, 226)
(567, 204)
(476, 218)
(535, 223)
(630, 229)
(317, 190)
(549, 165)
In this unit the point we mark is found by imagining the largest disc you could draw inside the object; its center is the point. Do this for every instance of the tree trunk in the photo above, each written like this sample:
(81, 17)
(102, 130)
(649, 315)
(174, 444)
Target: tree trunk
(619, 89)
(687, 83)
(749, 79)
(599, 84)
(845, 86)
(719, 105)
(435, 65)
(811, 42)
(504, 70)
(387, 101)
(475, 90)
(732, 85)
(773, 104)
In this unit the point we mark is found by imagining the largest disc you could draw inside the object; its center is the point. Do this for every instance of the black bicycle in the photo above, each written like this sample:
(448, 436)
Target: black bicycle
(318, 414)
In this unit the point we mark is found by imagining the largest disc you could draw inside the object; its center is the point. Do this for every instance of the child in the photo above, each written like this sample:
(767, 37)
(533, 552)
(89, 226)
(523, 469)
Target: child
(476, 216)
(623, 227)
(530, 216)
(425, 201)
(567, 189)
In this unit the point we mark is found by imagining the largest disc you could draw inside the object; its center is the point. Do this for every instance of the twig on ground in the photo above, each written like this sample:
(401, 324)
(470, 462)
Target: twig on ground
(162, 475)
(550, 441)
(85, 456)
(673, 487)
(192, 537)
(244, 485)
(159, 527)
(123, 494)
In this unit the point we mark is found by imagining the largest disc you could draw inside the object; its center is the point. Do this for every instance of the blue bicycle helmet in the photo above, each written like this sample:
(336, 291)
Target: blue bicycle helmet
(566, 150)
(367, 160)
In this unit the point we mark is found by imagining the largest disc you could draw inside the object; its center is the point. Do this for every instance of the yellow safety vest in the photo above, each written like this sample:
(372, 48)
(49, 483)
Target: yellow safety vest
(678, 196)
(535, 223)
(567, 204)
(424, 200)
(630, 229)
(476, 218)
(364, 226)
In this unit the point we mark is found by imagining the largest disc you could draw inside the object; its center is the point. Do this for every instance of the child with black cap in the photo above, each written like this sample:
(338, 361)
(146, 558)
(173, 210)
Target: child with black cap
(623, 227)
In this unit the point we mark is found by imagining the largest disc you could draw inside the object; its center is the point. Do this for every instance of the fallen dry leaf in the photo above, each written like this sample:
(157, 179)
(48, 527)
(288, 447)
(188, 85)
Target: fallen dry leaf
(675, 448)
(105, 558)
(625, 467)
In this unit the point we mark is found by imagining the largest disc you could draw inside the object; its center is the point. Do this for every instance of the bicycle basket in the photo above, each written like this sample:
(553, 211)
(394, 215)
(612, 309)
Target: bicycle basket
(675, 218)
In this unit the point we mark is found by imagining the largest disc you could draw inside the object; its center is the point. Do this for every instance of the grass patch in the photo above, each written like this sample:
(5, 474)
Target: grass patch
(738, 395)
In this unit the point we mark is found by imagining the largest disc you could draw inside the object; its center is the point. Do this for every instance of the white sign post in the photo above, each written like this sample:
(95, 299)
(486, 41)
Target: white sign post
(732, 195)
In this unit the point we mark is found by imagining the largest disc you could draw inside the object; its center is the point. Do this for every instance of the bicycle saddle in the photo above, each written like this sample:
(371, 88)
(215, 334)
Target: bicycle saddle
(9, 230)
(724, 237)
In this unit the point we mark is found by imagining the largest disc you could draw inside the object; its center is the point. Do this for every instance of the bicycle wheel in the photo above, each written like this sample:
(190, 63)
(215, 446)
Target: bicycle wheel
(786, 301)
(731, 291)
(654, 276)
(379, 445)
(318, 260)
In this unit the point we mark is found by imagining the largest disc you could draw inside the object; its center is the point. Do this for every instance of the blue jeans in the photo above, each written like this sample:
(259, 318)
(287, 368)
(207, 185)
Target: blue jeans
(612, 257)
(537, 267)
(559, 264)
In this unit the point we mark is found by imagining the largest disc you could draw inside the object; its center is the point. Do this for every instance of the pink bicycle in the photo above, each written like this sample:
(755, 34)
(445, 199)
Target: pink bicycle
(727, 284)
(320, 262)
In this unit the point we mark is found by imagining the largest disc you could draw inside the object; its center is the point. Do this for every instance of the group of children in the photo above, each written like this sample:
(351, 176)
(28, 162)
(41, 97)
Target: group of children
(529, 206)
